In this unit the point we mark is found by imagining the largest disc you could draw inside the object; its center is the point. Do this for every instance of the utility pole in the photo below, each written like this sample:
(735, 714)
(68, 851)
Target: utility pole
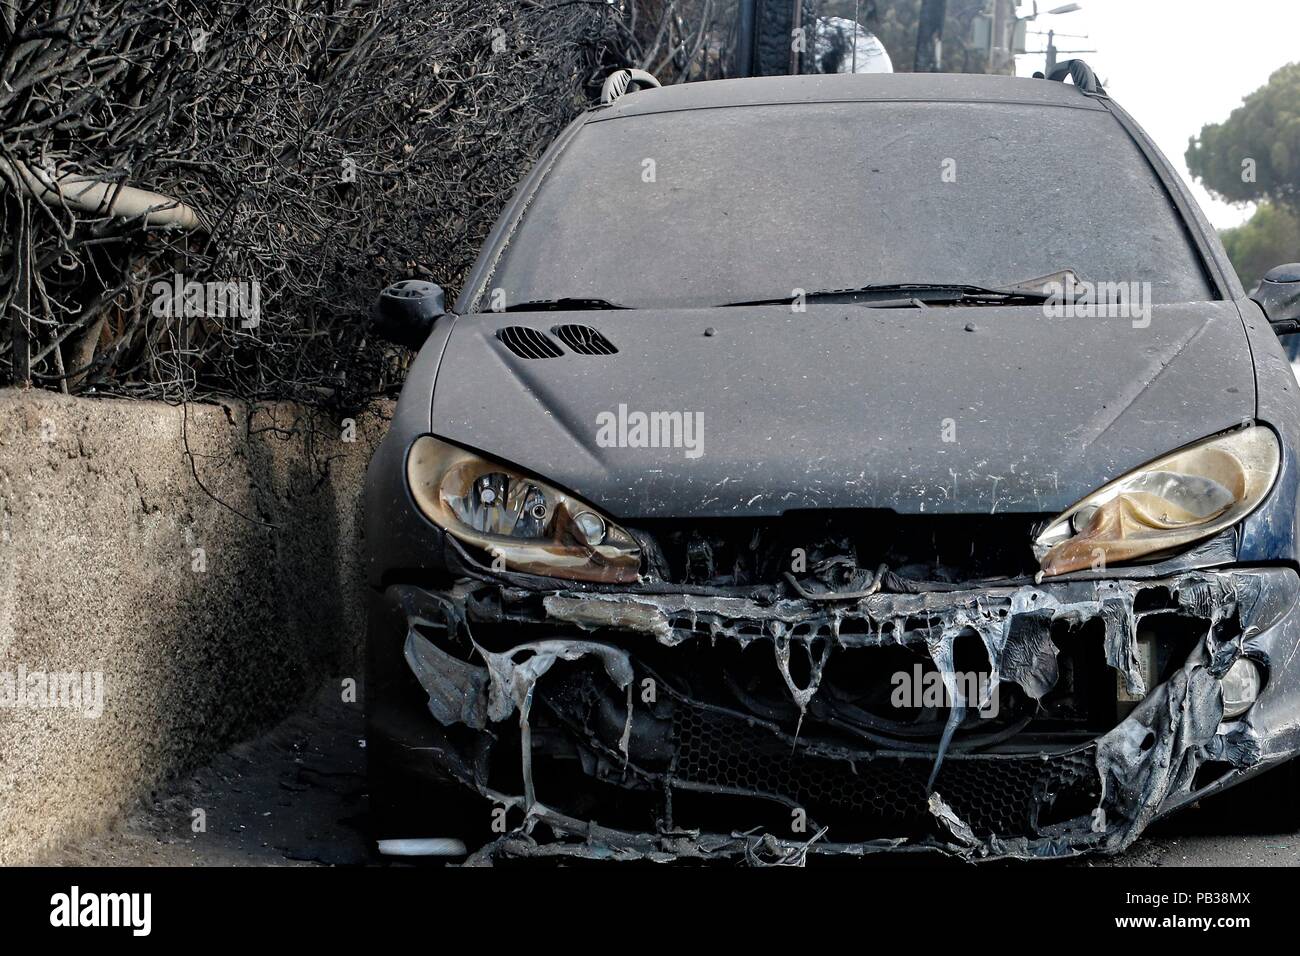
(1051, 50)
(746, 24)
(1053, 53)
(929, 36)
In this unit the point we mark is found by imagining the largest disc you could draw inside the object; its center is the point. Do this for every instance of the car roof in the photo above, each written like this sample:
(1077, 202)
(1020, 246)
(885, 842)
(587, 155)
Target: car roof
(849, 87)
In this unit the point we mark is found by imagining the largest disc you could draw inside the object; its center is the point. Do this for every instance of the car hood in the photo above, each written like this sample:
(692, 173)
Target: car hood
(916, 410)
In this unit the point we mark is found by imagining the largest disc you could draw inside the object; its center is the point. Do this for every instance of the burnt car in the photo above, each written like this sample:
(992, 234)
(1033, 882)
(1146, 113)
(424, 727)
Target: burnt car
(829, 465)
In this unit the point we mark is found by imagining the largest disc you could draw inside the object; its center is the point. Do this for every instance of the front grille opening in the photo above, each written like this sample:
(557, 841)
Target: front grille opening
(943, 548)
(1084, 698)
(1153, 599)
(1071, 792)
(969, 655)
(727, 759)
(863, 799)
(725, 749)
(1212, 771)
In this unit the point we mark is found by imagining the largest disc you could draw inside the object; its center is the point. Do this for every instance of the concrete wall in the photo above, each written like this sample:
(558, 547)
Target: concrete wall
(205, 626)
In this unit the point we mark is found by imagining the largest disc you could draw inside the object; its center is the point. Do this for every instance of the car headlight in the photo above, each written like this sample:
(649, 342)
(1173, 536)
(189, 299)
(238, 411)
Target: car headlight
(1174, 501)
(529, 525)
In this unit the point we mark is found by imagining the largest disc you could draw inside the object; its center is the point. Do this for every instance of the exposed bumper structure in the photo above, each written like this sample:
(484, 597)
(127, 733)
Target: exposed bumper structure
(664, 726)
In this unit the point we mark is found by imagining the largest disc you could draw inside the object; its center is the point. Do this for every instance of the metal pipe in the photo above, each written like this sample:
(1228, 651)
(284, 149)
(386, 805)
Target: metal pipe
(91, 195)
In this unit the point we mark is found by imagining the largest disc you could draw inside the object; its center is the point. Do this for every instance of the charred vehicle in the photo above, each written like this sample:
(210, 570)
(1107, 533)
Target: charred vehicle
(830, 465)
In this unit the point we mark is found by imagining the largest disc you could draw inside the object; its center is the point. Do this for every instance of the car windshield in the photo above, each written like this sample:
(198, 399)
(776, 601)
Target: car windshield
(704, 207)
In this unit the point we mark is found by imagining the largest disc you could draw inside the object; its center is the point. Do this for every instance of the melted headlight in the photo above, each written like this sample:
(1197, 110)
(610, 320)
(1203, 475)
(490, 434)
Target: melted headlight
(1241, 687)
(1172, 502)
(529, 525)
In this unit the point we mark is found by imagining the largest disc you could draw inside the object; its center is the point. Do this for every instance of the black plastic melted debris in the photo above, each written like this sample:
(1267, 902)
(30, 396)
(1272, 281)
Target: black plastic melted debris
(1149, 758)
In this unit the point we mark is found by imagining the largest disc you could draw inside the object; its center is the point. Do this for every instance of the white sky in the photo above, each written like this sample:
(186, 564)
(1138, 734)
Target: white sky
(1176, 65)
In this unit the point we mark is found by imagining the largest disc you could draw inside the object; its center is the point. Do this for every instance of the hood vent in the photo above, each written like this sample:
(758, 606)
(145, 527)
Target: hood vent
(584, 340)
(528, 342)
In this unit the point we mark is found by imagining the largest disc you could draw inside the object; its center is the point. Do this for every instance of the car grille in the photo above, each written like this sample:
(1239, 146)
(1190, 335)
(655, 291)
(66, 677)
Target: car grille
(883, 795)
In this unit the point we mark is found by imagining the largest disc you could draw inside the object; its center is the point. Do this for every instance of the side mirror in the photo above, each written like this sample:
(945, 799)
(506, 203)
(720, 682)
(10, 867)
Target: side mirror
(404, 312)
(1279, 296)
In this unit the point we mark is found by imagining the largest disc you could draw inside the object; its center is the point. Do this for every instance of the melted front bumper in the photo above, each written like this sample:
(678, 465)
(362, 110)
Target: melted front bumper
(634, 697)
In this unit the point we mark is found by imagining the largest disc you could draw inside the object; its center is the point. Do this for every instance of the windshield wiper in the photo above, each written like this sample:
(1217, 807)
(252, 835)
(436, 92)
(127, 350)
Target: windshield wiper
(886, 295)
(565, 304)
